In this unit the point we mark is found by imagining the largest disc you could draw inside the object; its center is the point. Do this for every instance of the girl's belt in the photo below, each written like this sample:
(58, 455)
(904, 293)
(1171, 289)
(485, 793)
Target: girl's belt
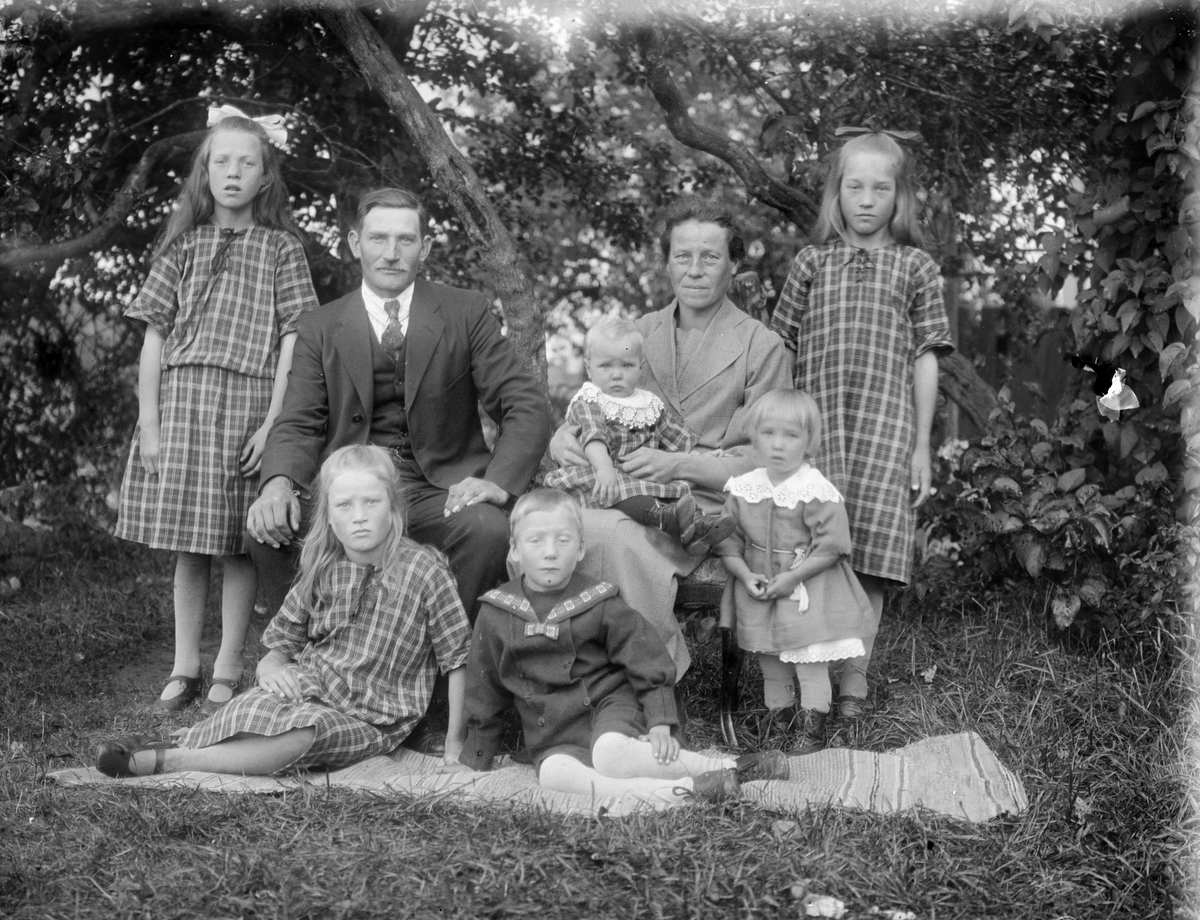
(781, 552)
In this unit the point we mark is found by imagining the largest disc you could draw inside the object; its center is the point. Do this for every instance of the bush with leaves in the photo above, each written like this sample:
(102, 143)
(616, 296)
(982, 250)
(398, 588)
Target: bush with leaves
(1037, 507)
(1083, 509)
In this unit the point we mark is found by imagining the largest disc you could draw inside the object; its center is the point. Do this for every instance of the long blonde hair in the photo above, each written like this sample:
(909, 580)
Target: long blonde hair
(194, 205)
(903, 226)
(320, 549)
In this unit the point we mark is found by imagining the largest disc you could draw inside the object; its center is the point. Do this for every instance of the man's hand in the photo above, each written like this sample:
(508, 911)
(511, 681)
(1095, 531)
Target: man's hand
(277, 676)
(651, 465)
(663, 745)
(565, 448)
(275, 515)
(472, 491)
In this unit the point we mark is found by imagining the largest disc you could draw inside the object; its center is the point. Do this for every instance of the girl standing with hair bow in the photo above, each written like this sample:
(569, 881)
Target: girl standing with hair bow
(228, 283)
(862, 309)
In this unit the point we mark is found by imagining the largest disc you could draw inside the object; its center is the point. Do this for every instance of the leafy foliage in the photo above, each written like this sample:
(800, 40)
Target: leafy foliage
(1031, 507)
(550, 104)
(1139, 310)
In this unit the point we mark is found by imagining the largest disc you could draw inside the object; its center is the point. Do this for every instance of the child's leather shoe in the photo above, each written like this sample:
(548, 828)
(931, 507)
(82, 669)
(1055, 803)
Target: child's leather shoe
(183, 699)
(762, 765)
(707, 531)
(114, 756)
(714, 786)
(812, 733)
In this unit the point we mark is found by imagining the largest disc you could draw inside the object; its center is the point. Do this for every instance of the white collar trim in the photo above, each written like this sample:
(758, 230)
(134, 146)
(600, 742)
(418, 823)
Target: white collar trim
(804, 485)
(641, 410)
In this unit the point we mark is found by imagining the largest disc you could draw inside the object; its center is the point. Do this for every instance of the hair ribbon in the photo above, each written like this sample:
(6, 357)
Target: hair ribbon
(272, 124)
(845, 131)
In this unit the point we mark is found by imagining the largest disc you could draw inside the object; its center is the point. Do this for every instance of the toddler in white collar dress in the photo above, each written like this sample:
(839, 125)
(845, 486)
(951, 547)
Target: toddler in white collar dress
(614, 419)
(798, 604)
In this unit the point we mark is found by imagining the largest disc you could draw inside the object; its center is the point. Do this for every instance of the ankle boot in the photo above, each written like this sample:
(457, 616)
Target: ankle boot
(708, 530)
(812, 732)
(677, 518)
(776, 727)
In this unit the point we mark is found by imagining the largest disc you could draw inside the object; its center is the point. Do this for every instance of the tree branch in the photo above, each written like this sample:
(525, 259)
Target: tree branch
(959, 380)
(794, 204)
(19, 255)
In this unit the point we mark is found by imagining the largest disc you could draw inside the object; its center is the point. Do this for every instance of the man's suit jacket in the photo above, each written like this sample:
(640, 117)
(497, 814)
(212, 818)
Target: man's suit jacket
(456, 358)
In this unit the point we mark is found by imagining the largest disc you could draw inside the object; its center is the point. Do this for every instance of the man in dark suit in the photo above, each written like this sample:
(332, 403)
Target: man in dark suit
(403, 363)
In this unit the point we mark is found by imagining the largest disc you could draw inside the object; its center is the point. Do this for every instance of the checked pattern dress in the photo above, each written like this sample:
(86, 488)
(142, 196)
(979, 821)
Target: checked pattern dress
(623, 429)
(858, 319)
(366, 661)
(221, 302)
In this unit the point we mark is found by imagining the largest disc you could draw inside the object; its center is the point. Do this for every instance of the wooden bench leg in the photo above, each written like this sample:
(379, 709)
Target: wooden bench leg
(731, 669)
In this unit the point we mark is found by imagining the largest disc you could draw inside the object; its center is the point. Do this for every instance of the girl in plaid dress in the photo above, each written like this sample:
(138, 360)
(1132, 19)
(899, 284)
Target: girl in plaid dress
(227, 286)
(615, 418)
(862, 309)
(353, 650)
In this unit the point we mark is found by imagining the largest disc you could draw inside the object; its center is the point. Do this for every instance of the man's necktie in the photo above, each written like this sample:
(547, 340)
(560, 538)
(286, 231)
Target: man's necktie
(392, 339)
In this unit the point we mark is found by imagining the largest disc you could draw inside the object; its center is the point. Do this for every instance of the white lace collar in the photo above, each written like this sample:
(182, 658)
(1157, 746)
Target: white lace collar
(804, 485)
(641, 410)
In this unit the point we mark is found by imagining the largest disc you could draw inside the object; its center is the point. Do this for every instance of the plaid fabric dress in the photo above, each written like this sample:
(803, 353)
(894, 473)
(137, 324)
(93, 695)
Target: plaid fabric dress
(221, 333)
(858, 319)
(624, 425)
(366, 661)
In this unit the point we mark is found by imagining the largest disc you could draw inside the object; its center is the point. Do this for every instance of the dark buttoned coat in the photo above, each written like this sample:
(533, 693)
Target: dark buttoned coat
(557, 674)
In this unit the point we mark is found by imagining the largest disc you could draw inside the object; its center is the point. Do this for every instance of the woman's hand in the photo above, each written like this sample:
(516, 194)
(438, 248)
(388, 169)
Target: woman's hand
(663, 745)
(276, 675)
(922, 475)
(607, 486)
(651, 464)
(149, 444)
(252, 451)
(565, 448)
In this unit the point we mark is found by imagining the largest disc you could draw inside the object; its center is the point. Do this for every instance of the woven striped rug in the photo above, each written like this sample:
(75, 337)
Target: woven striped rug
(954, 775)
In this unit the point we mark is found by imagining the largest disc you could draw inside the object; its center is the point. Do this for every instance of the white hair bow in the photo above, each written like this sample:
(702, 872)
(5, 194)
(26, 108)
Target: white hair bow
(272, 124)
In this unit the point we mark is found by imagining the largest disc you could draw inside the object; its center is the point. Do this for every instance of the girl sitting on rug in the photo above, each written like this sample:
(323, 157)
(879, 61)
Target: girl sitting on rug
(353, 647)
(797, 602)
(591, 680)
(615, 418)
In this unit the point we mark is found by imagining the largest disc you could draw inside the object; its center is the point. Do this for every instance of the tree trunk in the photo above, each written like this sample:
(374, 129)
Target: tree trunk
(959, 380)
(508, 268)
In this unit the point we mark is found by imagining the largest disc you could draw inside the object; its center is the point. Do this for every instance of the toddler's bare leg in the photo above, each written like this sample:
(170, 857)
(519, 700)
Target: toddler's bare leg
(816, 692)
(779, 687)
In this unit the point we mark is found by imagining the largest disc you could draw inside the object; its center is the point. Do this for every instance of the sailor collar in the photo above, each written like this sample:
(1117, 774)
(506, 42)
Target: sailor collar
(568, 606)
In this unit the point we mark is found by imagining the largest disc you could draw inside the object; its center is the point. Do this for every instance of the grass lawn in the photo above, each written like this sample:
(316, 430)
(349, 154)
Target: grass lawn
(1095, 736)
